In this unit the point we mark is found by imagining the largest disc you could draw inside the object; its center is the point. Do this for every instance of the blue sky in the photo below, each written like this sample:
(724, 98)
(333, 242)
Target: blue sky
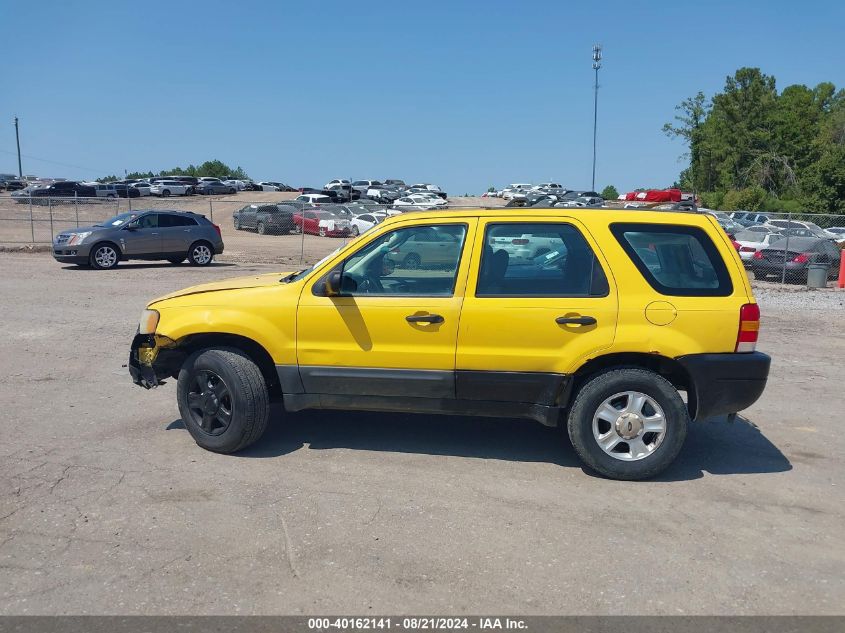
(464, 94)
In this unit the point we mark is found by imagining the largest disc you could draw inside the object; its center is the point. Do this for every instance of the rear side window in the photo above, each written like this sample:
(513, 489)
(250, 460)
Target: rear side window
(675, 260)
(538, 260)
(165, 220)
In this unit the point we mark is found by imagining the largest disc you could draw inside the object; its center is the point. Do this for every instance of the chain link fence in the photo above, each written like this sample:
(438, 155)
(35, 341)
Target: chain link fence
(286, 231)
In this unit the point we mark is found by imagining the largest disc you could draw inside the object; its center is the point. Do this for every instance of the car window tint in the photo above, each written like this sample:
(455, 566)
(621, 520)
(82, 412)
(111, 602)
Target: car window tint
(149, 221)
(675, 260)
(538, 260)
(397, 264)
(175, 220)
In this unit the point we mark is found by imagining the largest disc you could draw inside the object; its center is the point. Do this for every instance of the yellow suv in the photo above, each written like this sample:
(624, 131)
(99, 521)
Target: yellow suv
(598, 318)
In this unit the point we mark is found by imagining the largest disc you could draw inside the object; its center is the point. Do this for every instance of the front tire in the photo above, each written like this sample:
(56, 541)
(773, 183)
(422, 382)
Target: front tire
(104, 256)
(223, 399)
(261, 228)
(237, 224)
(165, 193)
(628, 423)
(201, 254)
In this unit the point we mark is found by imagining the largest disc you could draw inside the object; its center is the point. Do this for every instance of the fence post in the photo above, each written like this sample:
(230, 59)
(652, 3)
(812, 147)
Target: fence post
(50, 205)
(128, 199)
(786, 248)
(76, 206)
(302, 244)
(211, 210)
(31, 220)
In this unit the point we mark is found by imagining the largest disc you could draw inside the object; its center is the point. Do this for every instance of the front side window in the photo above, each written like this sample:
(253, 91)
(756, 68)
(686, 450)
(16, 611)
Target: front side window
(538, 260)
(149, 221)
(397, 264)
(675, 260)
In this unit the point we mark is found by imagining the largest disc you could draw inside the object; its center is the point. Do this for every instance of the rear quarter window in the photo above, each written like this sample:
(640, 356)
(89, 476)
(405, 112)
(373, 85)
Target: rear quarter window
(675, 260)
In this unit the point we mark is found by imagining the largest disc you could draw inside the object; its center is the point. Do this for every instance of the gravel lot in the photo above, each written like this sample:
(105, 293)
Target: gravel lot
(108, 507)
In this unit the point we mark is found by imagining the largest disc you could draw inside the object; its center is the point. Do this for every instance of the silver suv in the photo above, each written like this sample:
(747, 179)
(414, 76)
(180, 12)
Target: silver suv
(169, 235)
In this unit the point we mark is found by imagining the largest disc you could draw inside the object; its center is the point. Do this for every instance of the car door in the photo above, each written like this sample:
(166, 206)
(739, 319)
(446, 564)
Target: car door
(142, 237)
(526, 321)
(177, 233)
(392, 331)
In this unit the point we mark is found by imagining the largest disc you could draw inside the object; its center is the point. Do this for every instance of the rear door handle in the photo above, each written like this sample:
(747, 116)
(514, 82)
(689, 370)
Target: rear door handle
(424, 318)
(581, 320)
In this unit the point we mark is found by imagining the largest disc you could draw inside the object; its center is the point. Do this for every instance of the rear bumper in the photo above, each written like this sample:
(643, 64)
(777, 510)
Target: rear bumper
(725, 383)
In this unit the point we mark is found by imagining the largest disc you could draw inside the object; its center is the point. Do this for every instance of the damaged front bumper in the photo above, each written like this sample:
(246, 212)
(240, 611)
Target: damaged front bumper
(153, 358)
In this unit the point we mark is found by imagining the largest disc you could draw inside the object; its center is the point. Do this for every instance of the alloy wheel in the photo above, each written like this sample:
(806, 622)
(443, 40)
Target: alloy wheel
(201, 254)
(629, 425)
(210, 402)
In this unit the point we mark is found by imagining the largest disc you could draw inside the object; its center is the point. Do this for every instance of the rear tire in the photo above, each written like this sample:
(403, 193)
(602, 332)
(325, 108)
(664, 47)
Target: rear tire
(322, 231)
(261, 228)
(200, 254)
(165, 193)
(223, 399)
(237, 224)
(628, 403)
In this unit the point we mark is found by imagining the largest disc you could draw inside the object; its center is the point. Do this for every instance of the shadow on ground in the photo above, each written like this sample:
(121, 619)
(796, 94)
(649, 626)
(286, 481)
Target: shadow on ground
(715, 446)
(142, 265)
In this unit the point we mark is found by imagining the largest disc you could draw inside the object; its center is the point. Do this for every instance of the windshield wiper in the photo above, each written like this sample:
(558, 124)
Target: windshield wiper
(288, 278)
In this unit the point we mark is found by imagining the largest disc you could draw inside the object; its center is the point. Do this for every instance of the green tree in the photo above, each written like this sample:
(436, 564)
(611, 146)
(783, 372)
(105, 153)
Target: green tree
(824, 182)
(610, 193)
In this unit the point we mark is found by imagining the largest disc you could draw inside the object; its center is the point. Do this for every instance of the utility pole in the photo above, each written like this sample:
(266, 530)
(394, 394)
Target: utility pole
(18, 139)
(596, 66)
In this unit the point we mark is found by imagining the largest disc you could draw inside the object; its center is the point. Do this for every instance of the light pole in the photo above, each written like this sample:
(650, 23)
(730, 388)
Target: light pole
(18, 139)
(596, 66)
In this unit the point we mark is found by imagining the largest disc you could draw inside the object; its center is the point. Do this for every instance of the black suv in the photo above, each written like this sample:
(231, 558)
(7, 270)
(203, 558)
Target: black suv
(275, 219)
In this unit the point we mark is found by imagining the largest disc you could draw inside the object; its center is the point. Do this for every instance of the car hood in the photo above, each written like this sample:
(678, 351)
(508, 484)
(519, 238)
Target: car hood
(84, 229)
(235, 283)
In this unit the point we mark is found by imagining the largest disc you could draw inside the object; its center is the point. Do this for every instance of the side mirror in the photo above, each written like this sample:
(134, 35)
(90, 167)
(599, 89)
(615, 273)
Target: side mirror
(333, 282)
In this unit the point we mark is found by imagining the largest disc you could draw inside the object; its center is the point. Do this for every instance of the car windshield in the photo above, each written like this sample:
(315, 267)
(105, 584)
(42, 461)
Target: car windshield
(303, 273)
(118, 220)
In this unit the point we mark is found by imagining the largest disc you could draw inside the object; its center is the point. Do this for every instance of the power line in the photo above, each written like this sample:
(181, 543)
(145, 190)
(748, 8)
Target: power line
(55, 162)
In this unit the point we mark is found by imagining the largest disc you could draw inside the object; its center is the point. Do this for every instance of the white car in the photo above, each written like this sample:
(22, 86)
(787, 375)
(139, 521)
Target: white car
(527, 246)
(428, 198)
(142, 187)
(313, 198)
(365, 221)
(427, 186)
(165, 188)
(752, 241)
(415, 202)
(267, 186)
(338, 183)
(239, 185)
(838, 231)
(780, 225)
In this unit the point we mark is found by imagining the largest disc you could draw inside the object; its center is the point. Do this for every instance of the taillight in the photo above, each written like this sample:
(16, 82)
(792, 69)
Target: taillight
(758, 255)
(747, 249)
(736, 244)
(803, 258)
(749, 328)
(217, 228)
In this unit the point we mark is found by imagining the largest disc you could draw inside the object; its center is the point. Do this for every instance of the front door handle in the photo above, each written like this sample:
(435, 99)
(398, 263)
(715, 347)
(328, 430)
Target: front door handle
(424, 318)
(581, 320)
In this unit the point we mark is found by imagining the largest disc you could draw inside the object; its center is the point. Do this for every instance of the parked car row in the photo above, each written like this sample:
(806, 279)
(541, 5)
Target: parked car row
(298, 216)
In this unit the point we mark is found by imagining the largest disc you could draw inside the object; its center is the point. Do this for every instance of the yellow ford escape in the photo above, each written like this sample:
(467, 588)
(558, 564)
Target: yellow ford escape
(602, 320)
